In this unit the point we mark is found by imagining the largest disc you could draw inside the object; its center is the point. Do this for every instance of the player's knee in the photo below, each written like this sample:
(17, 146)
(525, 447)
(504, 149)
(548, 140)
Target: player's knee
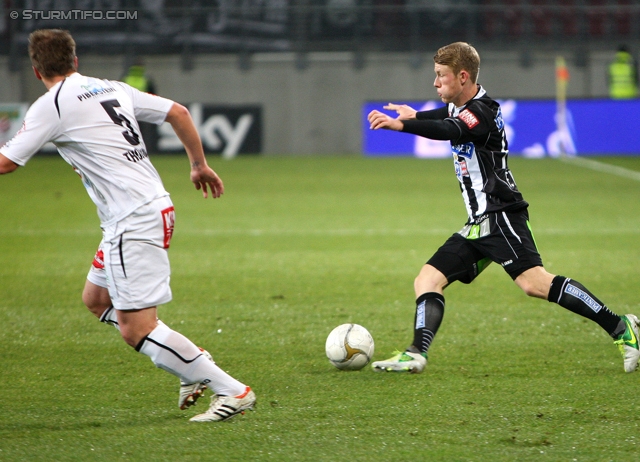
(96, 299)
(534, 290)
(529, 290)
(94, 305)
(134, 331)
(130, 340)
(429, 280)
(535, 282)
(131, 336)
(97, 308)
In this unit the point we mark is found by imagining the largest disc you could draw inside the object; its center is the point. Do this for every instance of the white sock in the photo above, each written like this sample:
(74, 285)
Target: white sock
(176, 354)
(110, 317)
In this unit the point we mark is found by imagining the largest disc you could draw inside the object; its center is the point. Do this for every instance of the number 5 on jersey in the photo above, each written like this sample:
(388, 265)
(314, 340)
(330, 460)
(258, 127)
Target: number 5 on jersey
(129, 134)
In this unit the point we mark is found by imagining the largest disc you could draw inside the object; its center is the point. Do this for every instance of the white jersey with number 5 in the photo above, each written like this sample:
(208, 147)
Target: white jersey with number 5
(93, 123)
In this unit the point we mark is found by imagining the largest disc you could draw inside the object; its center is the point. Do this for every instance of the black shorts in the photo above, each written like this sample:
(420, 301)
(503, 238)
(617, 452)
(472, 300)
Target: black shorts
(502, 237)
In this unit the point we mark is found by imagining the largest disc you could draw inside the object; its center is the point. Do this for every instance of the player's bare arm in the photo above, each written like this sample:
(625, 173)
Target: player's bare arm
(6, 165)
(405, 112)
(378, 120)
(202, 176)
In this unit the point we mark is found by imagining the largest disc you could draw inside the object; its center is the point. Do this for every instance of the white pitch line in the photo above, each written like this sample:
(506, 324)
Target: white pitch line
(390, 232)
(321, 232)
(602, 167)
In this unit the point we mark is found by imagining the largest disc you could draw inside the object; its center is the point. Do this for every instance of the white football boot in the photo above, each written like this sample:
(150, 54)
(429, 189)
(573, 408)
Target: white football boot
(402, 361)
(225, 407)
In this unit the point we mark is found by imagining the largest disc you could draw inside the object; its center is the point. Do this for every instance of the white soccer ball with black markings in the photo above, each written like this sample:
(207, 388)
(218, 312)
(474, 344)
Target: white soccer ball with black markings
(349, 347)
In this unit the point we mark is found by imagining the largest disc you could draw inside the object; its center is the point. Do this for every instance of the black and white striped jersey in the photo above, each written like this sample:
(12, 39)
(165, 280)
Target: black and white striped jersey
(480, 150)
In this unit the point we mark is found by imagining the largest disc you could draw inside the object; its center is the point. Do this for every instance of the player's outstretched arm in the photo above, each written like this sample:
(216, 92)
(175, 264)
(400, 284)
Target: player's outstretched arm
(7, 165)
(379, 120)
(202, 176)
(405, 112)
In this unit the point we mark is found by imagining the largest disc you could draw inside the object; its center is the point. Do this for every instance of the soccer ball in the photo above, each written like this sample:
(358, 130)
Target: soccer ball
(349, 347)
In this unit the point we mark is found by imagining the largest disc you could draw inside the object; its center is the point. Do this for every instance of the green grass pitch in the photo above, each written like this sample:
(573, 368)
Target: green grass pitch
(295, 247)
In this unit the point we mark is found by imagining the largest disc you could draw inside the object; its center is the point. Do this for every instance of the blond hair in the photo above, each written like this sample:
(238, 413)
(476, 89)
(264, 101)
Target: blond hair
(459, 56)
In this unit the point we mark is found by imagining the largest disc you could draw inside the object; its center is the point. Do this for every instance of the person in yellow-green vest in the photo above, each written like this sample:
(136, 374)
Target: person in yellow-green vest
(623, 75)
(138, 79)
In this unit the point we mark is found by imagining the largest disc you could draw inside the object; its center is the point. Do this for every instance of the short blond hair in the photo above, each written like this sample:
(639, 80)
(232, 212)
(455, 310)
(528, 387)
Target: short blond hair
(459, 56)
(52, 52)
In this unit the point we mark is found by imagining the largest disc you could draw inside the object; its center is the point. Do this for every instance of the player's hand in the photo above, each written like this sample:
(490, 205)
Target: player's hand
(379, 120)
(404, 111)
(204, 178)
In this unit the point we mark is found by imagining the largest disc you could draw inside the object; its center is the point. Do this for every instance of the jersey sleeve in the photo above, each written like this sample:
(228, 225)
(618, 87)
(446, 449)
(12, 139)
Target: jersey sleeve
(433, 129)
(41, 125)
(147, 107)
(475, 121)
(437, 114)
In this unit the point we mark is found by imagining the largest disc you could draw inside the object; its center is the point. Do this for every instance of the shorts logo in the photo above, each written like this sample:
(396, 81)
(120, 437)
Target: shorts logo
(468, 118)
(168, 220)
(464, 171)
(98, 259)
(461, 169)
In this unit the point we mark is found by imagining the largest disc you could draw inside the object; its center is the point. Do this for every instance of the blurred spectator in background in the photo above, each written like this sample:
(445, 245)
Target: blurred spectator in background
(623, 75)
(138, 79)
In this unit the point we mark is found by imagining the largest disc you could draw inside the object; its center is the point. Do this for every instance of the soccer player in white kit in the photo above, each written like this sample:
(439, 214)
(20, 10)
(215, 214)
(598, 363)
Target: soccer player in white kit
(93, 123)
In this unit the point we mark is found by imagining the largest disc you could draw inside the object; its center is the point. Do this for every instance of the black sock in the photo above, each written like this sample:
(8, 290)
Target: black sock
(429, 313)
(573, 296)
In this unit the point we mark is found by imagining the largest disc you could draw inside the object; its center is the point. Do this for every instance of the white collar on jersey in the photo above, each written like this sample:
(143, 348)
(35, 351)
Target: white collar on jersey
(480, 94)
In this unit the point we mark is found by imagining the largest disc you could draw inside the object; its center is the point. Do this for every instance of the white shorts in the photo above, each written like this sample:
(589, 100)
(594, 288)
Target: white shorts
(132, 260)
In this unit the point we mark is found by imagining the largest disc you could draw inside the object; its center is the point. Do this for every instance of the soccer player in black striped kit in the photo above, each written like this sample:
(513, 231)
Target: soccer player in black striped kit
(498, 225)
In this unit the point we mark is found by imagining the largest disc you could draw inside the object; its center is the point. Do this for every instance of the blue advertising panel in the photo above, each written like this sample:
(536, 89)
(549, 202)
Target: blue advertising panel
(593, 127)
